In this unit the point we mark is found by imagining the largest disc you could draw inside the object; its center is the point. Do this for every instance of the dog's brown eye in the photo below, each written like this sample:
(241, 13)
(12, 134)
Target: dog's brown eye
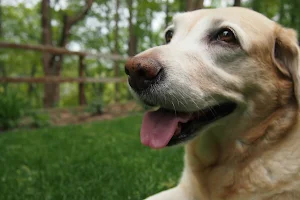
(226, 35)
(169, 36)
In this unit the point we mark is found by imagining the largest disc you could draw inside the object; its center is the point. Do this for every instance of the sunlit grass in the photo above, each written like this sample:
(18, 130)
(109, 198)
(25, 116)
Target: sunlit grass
(102, 160)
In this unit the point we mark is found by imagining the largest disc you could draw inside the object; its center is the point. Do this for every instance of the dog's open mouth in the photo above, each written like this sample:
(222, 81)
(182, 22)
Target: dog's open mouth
(163, 127)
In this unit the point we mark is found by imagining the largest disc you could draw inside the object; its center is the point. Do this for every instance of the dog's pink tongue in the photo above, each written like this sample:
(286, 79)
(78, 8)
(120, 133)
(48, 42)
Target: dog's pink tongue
(158, 127)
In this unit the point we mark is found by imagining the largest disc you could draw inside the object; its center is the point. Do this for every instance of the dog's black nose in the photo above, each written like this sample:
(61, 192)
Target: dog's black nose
(142, 72)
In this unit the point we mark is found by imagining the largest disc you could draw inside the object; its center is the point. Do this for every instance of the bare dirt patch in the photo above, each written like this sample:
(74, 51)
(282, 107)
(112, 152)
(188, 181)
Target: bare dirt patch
(64, 116)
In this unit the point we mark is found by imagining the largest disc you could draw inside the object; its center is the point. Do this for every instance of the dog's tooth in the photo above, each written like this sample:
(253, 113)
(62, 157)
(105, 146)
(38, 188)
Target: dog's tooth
(154, 108)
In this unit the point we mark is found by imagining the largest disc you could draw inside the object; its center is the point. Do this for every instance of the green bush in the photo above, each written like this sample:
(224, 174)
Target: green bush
(39, 119)
(12, 109)
(96, 107)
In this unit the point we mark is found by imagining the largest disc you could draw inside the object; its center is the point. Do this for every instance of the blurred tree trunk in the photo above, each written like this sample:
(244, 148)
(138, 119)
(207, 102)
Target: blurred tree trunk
(2, 67)
(237, 3)
(189, 5)
(32, 74)
(98, 88)
(198, 4)
(132, 43)
(194, 5)
(281, 11)
(295, 14)
(32, 88)
(81, 88)
(167, 14)
(1, 19)
(53, 63)
(50, 91)
(116, 48)
(149, 24)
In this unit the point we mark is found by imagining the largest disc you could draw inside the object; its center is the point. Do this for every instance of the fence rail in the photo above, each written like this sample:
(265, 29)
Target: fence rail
(81, 79)
(63, 51)
(59, 80)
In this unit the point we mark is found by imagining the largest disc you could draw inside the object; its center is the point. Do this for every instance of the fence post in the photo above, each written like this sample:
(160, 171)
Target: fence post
(82, 98)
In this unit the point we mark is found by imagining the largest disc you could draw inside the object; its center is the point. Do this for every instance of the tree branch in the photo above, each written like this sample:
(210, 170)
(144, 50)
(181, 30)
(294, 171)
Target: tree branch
(73, 20)
(69, 21)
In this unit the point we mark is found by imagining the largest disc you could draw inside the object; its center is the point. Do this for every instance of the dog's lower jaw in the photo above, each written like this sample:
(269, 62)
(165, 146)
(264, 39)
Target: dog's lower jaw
(206, 160)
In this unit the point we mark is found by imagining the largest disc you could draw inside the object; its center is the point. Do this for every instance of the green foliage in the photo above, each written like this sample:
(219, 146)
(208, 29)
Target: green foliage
(21, 24)
(39, 119)
(102, 160)
(12, 108)
(286, 12)
(96, 106)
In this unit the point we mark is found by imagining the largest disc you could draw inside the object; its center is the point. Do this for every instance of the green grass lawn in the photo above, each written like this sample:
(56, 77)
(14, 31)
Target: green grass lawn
(103, 160)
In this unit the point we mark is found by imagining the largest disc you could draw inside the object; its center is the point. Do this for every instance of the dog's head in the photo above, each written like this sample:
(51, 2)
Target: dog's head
(220, 69)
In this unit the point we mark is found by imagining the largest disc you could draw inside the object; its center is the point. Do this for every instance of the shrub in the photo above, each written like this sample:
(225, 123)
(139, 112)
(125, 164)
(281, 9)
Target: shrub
(12, 108)
(39, 119)
(96, 107)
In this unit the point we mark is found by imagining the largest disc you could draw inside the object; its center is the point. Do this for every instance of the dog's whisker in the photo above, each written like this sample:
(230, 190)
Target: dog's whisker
(178, 102)
(212, 110)
(184, 104)
(174, 108)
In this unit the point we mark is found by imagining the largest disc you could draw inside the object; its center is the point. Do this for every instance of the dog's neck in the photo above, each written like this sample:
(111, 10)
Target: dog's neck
(209, 150)
(271, 130)
(207, 157)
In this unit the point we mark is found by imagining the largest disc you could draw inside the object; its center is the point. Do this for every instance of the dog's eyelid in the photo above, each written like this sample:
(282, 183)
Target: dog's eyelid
(171, 27)
(228, 28)
(168, 34)
(214, 36)
(240, 34)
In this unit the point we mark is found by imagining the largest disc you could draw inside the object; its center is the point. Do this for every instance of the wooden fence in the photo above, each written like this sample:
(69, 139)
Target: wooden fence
(81, 79)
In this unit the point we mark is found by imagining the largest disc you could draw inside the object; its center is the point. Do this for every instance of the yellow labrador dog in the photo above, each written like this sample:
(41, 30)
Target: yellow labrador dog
(227, 84)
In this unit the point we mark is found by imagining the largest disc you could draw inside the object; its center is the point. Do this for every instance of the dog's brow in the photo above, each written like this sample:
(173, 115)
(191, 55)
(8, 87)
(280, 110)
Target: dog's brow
(176, 17)
(217, 22)
(170, 27)
(214, 24)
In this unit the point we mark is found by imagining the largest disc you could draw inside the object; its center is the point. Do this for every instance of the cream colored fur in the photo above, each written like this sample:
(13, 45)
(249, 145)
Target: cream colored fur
(254, 153)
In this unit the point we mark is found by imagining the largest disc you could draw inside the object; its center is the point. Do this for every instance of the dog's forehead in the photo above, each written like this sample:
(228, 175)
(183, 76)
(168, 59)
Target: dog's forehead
(250, 21)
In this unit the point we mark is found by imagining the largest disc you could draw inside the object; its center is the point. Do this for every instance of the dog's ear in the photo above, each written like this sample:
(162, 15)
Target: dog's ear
(286, 56)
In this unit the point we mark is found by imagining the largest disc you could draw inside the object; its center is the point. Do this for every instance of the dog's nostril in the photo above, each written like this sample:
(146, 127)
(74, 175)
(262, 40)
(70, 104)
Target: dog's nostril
(141, 72)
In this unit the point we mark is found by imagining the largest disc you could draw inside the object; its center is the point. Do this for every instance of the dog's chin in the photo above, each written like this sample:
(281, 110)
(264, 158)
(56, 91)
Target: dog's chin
(191, 123)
